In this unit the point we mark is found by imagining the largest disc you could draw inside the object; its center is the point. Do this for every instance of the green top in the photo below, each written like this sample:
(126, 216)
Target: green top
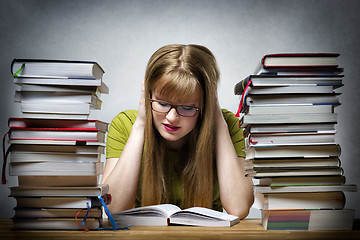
(119, 132)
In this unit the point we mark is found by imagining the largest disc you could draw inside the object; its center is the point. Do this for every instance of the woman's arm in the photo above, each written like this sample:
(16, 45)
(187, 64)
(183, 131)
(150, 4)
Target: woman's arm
(122, 174)
(236, 190)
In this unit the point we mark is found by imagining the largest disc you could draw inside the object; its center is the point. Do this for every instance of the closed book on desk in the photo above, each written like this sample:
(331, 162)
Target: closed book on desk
(32, 213)
(289, 128)
(292, 163)
(58, 202)
(103, 89)
(325, 219)
(56, 134)
(22, 156)
(55, 110)
(62, 82)
(58, 97)
(54, 224)
(288, 109)
(59, 181)
(88, 125)
(41, 191)
(55, 147)
(303, 200)
(285, 83)
(56, 68)
(287, 118)
(294, 99)
(300, 151)
(306, 71)
(261, 173)
(314, 138)
(168, 214)
(299, 181)
(313, 188)
(300, 60)
(56, 168)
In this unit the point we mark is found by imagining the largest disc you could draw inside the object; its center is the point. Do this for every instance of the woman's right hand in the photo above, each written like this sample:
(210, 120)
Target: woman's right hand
(124, 172)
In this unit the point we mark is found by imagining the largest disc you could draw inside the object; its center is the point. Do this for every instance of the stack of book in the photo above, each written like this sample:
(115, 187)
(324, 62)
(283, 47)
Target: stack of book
(288, 113)
(55, 150)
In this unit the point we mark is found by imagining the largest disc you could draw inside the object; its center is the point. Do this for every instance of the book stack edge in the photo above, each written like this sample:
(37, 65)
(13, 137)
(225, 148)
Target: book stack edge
(54, 149)
(288, 114)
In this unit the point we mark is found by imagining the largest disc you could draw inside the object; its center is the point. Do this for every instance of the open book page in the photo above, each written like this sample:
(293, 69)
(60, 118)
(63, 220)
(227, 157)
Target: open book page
(198, 216)
(163, 210)
(156, 215)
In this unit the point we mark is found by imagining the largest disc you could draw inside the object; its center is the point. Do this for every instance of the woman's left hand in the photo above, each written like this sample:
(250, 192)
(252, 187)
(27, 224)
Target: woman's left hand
(218, 116)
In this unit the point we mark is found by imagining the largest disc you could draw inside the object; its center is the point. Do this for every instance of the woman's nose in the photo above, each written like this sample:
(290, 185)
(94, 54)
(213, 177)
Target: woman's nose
(172, 115)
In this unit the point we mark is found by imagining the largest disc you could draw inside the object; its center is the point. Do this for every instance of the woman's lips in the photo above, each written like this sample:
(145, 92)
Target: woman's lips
(171, 128)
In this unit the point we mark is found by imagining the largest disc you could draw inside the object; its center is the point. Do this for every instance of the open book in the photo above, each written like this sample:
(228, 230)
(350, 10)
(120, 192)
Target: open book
(168, 214)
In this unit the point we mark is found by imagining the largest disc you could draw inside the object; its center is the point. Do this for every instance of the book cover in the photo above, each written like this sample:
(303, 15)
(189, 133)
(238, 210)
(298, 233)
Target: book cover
(300, 60)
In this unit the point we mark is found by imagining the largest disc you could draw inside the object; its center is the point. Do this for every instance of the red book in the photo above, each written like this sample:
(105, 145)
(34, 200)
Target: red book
(63, 124)
(57, 129)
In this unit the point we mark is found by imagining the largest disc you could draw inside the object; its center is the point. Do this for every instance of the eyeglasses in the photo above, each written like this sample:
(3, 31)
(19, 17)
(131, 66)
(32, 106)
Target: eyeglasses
(165, 107)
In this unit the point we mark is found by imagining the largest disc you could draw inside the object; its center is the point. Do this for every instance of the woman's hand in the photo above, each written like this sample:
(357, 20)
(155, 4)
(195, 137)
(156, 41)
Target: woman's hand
(236, 191)
(141, 115)
(123, 173)
(218, 116)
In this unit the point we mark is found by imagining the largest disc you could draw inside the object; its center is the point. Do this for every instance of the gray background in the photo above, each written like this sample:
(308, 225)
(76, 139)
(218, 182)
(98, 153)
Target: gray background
(121, 36)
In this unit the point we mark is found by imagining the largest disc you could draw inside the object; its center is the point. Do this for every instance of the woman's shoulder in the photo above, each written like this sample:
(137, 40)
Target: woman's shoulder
(124, 118)
(129, 115)
(228, 115)
(231, 120)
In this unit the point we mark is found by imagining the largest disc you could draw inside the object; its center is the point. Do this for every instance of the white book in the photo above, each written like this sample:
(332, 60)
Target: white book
(57, 135)
(23, 156)
(55, 116)
(55, 224)
(58, 202)
(290, 128)
(61, 82)
(286, 109)
(291, 88)
(103, 89)
(303, 151)
(46, 191)
(292, 163)
(56, 168)
(323, 219)
(57, 97)
(59, 181)
(266, 139)
(294, 99)
(294, 172)
(168, 214)
(291, 118)
(319, 188)
(56, 68)
(69, 108)
(55, 213)
(303, 200)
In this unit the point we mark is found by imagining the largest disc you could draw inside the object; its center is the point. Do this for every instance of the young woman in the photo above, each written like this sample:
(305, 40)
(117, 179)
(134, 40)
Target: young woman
(179, 147)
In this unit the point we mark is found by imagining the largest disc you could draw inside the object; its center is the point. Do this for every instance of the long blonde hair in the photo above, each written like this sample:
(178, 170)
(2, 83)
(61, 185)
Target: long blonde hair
(186, 68)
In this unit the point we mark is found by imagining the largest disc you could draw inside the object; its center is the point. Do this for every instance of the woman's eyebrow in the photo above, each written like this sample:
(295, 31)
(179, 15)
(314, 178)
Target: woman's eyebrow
(160, 98)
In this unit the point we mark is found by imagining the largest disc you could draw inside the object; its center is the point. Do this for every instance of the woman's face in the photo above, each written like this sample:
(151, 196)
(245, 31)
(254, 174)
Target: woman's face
(173, 127)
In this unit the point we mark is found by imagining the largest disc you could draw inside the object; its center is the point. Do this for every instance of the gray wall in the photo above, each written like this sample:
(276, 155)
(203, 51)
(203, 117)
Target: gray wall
(121, 36)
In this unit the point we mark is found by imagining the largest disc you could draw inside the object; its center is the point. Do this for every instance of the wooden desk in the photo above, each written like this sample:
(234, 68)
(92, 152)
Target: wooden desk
(246, 229)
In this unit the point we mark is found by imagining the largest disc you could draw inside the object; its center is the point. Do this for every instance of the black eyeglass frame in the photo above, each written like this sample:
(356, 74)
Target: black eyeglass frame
(172, 106)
